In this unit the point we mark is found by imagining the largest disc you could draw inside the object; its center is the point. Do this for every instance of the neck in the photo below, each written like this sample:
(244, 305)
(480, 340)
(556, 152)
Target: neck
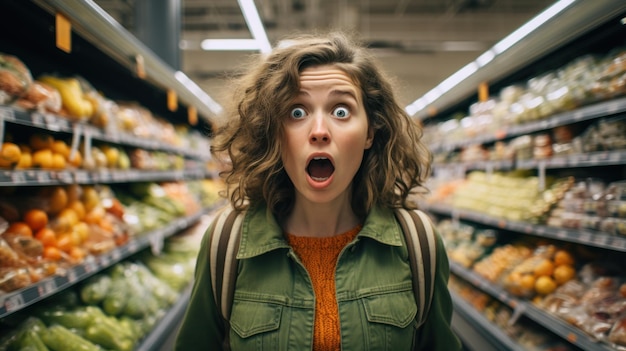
(320, 220)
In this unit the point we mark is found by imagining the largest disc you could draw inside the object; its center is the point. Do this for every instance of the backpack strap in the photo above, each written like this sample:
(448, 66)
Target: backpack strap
(223, 247)
(421, 244)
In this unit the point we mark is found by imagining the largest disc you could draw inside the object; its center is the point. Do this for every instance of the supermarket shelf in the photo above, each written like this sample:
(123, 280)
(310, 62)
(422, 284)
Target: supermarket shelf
(104, 33)
(58, 124)
(14, 301)
(566, 331)
(167, 325)
(592, 159)
(597, 110)
(491, 333)
(579, 18)
(580, 236)
(31, 177)
(484, 285)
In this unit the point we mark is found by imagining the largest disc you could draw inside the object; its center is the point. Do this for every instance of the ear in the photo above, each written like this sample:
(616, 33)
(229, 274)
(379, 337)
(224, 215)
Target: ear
(370, 138)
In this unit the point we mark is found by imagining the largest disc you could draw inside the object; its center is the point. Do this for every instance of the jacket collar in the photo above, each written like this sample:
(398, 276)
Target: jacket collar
(261, 232)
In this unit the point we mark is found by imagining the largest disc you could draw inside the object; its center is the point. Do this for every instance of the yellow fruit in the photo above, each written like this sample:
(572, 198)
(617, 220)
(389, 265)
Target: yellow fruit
(544, 267)
(90, 198)
(76, 160)
(564, 273)
(78, 207)
(9, 155)
(112, 155)
(58, 161)
(26, 161)
(43, 159)
(545, 285)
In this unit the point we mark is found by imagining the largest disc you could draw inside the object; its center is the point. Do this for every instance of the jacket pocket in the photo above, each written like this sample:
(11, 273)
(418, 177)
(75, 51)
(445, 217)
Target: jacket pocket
(390, 320)
(254, 325)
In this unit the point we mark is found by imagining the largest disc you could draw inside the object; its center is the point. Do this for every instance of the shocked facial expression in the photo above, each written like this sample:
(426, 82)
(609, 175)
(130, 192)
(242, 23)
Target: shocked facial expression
(325, 135)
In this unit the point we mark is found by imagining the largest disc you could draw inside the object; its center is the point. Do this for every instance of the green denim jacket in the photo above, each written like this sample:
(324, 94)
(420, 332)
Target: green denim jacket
(273, 306)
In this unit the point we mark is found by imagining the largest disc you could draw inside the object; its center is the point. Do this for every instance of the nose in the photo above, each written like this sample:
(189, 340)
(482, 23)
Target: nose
(319, 130)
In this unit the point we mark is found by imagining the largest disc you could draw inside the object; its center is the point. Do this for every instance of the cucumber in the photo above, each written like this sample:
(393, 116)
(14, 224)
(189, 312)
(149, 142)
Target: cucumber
(95, 289)
(30, 340)
(59, 338)
(115, 302)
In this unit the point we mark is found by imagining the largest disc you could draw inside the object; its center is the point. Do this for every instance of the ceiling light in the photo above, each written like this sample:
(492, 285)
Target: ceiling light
(251, 14)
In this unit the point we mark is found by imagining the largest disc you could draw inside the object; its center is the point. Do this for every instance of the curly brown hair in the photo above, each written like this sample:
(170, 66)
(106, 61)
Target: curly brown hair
(395, 167)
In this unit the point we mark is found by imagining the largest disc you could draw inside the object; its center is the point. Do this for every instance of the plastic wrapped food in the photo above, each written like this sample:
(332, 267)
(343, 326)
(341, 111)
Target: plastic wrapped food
(15, 78)
(41, 97)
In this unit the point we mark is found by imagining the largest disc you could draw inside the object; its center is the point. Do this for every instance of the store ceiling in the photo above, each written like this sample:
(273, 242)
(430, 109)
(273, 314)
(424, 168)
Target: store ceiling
(419, 42)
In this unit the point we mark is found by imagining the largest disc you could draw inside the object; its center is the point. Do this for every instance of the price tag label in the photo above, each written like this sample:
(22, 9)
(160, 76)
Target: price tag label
(18, 177)
(71, 276)
(38, 120)
(192, 115)
(52, 122)
(81, 177)
(65, 177)
(156, 242)
(14, 302)
(7, 114)
(140, 66)
(43, 177)
(172, 100)
(47, 287)
(63, 33)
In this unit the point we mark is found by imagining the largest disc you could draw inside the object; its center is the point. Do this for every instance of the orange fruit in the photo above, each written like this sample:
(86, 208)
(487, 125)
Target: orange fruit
(36, 219)
(65, 242)
(40, 141)
(9, 155)
(544, 267)
(77, 254)
(51, 253)
(564, 273)
(527, 282)
(95, 216)
(563, 257)
(46, 236)
(61, 147)
(20, 228)
(43, 159)
(74, 192)
(545, 285)
(58, 199)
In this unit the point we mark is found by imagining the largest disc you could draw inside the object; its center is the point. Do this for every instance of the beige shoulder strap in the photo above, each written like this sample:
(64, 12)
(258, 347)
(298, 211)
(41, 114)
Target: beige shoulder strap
(422, 247)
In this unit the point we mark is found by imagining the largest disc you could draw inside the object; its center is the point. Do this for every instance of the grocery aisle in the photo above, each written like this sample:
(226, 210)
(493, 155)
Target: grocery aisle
(528, 190)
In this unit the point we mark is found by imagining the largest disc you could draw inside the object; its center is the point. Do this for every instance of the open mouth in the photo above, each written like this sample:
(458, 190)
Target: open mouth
(320, 169)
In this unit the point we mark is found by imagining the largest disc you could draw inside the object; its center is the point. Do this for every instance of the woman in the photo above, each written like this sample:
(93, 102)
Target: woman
(320, 154)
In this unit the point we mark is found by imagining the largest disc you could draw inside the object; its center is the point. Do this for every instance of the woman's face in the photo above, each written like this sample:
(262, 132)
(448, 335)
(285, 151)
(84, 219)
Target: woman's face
(325, 135)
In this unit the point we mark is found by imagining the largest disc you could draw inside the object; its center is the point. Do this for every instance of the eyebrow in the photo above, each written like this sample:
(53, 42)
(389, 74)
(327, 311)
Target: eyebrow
(337, 92)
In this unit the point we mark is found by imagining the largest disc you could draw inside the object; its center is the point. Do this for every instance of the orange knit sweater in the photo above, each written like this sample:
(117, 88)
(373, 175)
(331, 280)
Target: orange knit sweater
(319, 256)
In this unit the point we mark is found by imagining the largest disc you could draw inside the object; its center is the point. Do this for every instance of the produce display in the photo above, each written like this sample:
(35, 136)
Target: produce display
(523, 332)
(112, 310)
(45, 230)
(584, 80)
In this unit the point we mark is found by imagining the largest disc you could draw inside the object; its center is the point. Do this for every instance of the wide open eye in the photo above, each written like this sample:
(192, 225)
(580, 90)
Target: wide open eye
(298, 113)
(341, 112)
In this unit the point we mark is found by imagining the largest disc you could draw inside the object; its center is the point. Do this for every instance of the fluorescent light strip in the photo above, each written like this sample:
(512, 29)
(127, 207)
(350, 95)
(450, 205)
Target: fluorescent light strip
(253, 20)
(251, 14)
(487, 57)
(193, 87)
(229, 44)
